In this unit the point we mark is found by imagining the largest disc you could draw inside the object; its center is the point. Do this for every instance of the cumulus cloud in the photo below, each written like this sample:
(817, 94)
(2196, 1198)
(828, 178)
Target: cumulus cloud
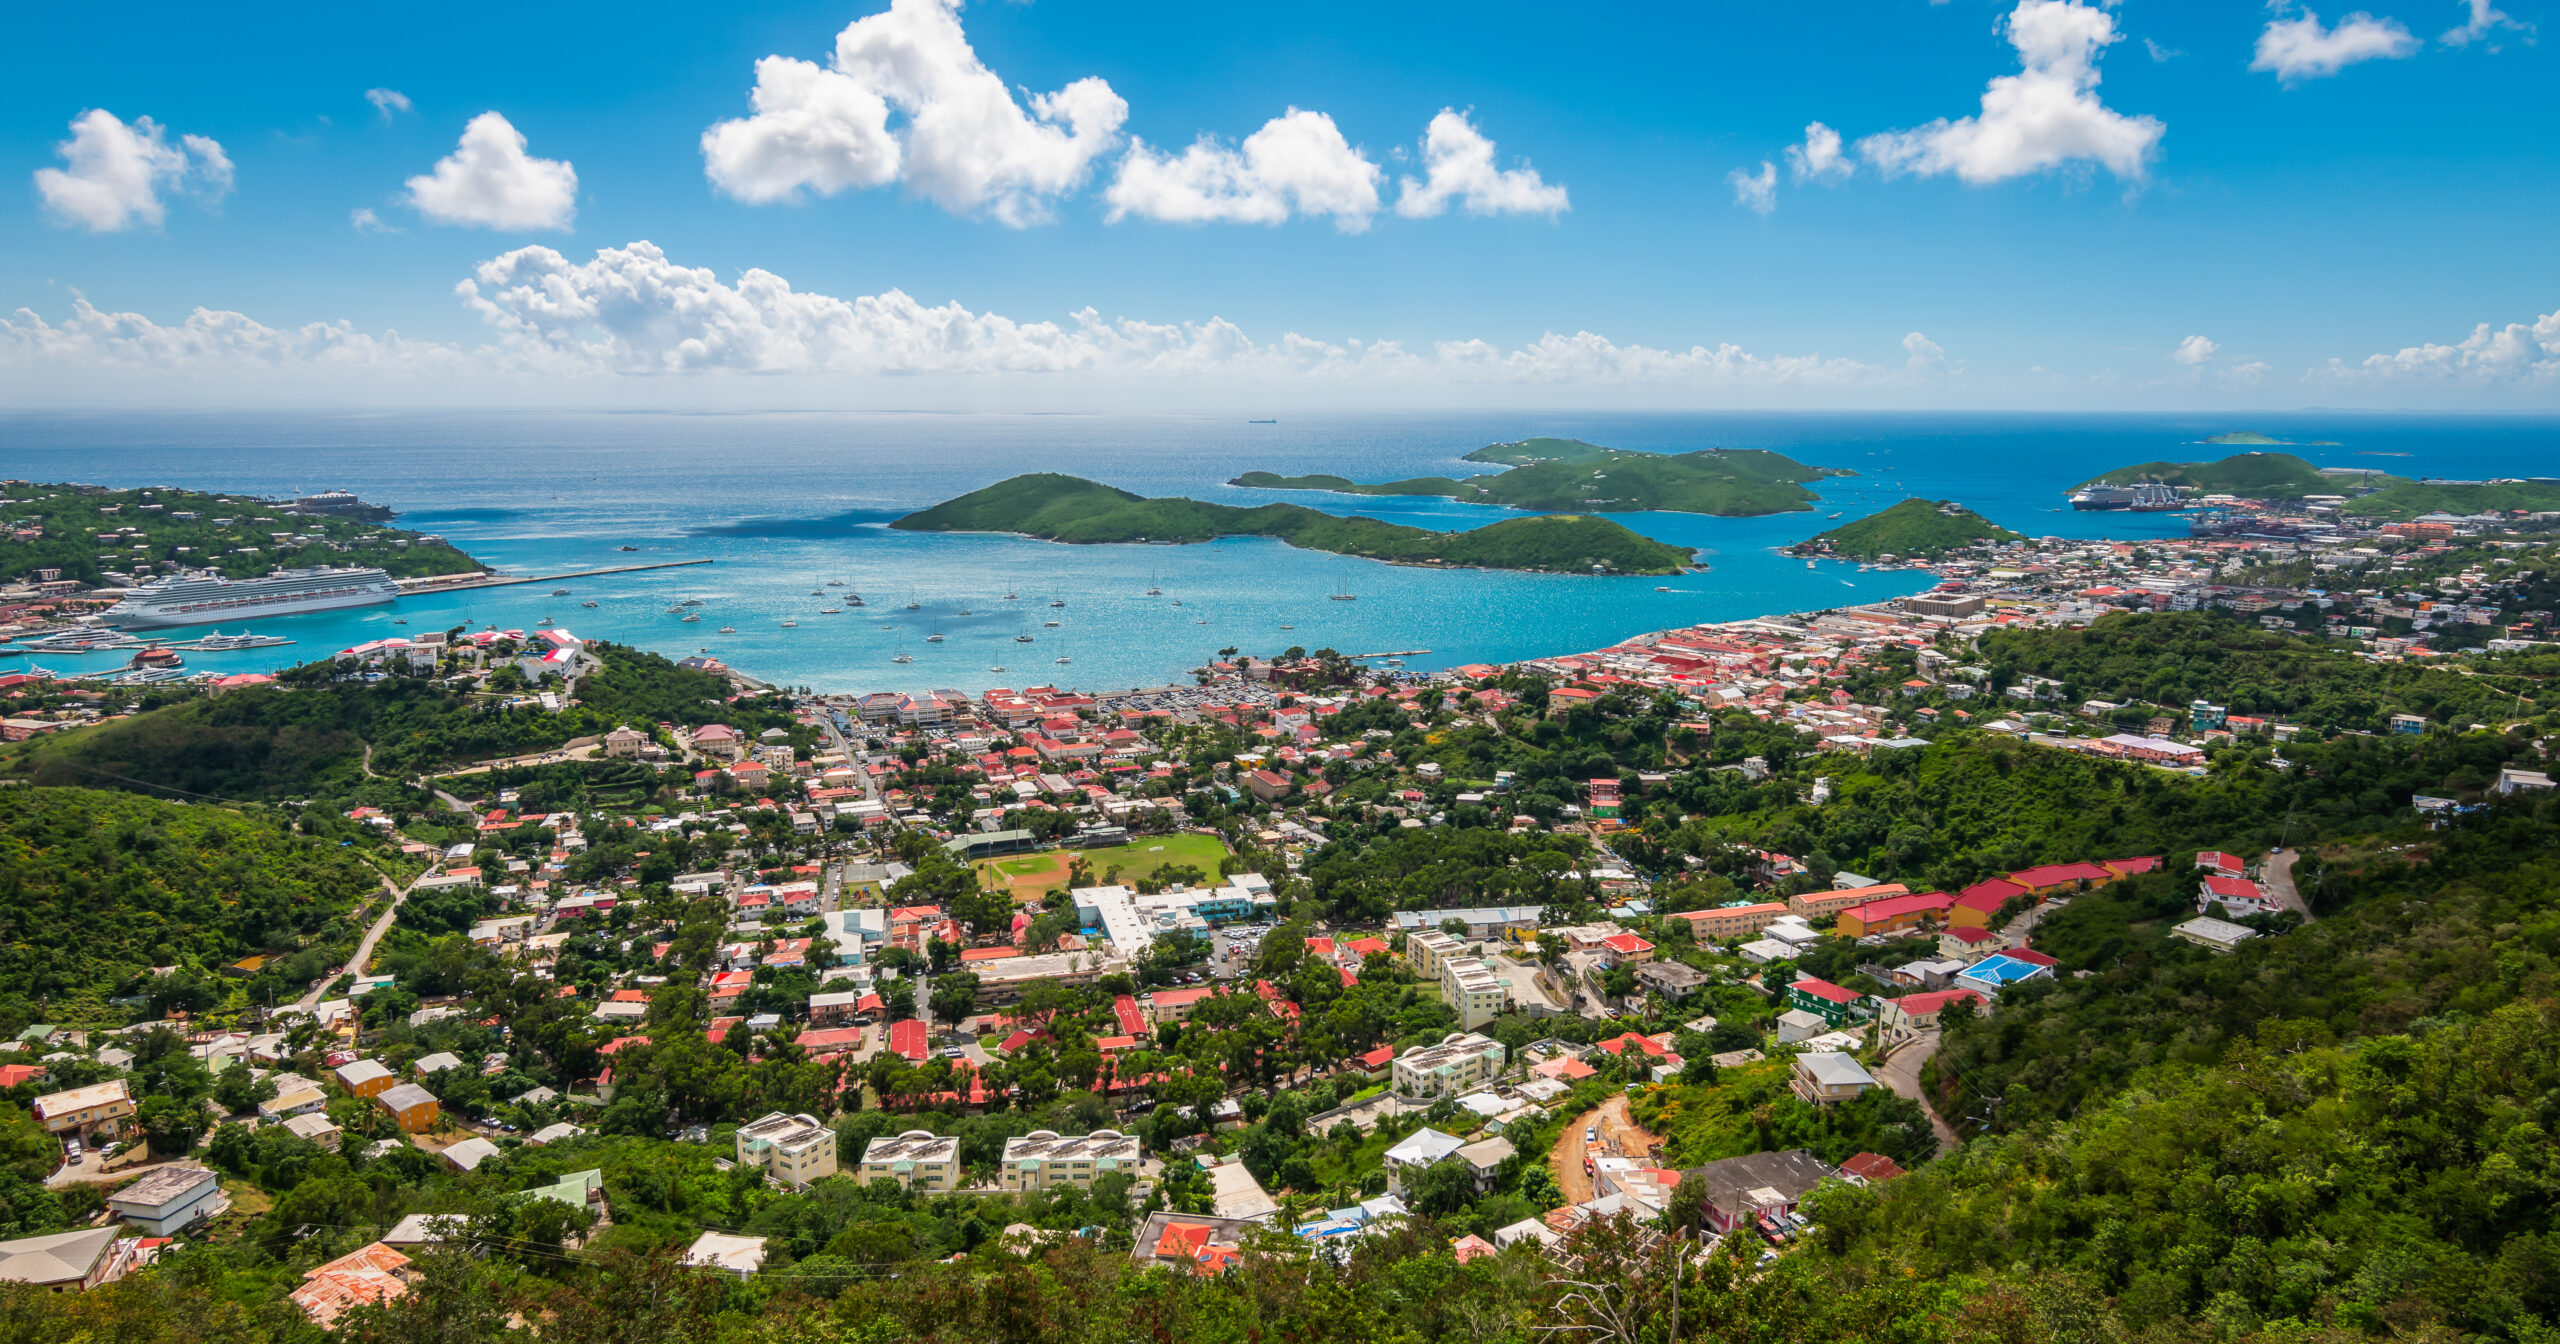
(2193, 350)
(115, 173)
(363, 220)
(962, 141)
(1756, 192)
(2485, 19)
(388, 102)
(489, 182)
(2048, 115)
(1819, 158)
(1923, 353)
(633, 311)
(2519, 352)
(2296, 49)
(1458, 166)
(1298, 162)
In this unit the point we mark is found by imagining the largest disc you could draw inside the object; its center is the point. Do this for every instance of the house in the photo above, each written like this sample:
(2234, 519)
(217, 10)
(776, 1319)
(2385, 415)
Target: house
(1625, 949)
(1978, 905)
(1826, 1078)
(2228, 865)
(2219, 935)
(1994, 973)
(1484, 1159)
(1470, 985)
(918, 1159)
(1671, 979)
(1460, 1063)
(578, 1190)
(1796, 1024)
(1190, 1243)
(1739, 1191)
(169, 1200)
(2519, 781)
(428, 1066)
(1425, 1147)
(317, 1128)
(2047, 879)
(465, 1157)
(741, 1256)
(414, 1108)
(2238, 895)
(1893, 914)
(67, 1262)
(99, 1108)
(1045, 1159)
(1915, 1013)
(366, 1077)
(368, 1276)
(625, 741)
(1965, 943)
(794, 1150)
(1826, 1000)
(1871, 1169)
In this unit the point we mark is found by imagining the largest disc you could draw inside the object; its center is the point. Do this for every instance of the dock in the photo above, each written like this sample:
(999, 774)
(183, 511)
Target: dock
(1399, 653)
(448, 583)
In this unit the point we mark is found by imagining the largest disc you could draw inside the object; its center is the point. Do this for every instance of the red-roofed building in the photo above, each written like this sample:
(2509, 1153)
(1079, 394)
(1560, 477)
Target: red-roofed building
(1619, 1045)
(1892, 914)
(1379, 1061)
(2045, 879)
(1825, 1000)
(912, 1039)
(1177, 1003)
(1625, 949)
(1977, 905)
(1871, 1169)
(1913, 1013)
(830, 1040)
(2229, 865)
(2129, 867)
(2238, 895)
(2031, 956)
(1133, 1022)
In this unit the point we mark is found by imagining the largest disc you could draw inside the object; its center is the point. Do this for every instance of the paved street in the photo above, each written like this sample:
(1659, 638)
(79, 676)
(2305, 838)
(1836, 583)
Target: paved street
(1902, 1073)
(2277, 877)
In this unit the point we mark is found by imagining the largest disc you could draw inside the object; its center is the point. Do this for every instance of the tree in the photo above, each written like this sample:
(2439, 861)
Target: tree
(898, 999)
(955, 995)
(1443, 1189)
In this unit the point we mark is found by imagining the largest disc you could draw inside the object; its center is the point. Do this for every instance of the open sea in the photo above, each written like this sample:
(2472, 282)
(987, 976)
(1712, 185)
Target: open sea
(784, 502)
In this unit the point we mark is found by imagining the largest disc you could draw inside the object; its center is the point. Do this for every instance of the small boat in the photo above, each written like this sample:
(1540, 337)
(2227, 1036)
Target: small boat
(691, 618)
(1009, 597)
(588, 603)
(964, 611)
(831, 611)
(626, 548)
(1155, 592)
(543, 624)
(690, 602)
(728, 629)
(1049, 625)
(1022, 639)
(835, 583)
(934, 638)
(1346, 597)
(915, 606)
(672, 611)
(997, 668)
(1202, 621)
(559, 592)
(817, 592)
(1288, 627)
(1808, 564)
(1177, 601)
(1064, 659)
(853, 600)
(1660, 589)
(790, 625)
(1057, 604)
(1833, 515)
(402, 621)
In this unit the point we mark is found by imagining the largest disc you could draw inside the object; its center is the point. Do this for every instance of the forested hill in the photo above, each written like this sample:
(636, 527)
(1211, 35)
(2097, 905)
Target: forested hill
(1568, 474)
(2256, 475)
(96, 887)
(305, 737)
(1910, 528)
(69, 527)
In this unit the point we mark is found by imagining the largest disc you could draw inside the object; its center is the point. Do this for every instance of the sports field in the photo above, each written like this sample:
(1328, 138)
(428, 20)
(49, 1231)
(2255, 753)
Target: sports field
(1027, 874)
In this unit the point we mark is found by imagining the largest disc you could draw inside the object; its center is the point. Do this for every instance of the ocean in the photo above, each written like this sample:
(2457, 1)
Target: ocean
(782, 503)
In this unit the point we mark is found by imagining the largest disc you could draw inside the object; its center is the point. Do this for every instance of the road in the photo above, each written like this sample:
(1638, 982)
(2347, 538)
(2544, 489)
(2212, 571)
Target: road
(2277, 878)
(1902, 1074)
(364, 947)
(1619, 1137)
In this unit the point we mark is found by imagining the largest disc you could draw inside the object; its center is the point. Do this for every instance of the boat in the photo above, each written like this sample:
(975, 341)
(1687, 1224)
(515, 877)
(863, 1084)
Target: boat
(588, 603)
(831, 611)
(817, 592)
(1155, 592)
(692, 618)
(1049, 625)
(728, 629)
(997, 668)
(1064, 659)
(1022, 639)
(1659, 589)
(2146, 497)
(690, 602)
(835, 583)
(204, 598)
(401, 621)
(675, 611)
(559, 592)
(964, 611)
(543, 624)
(626, 548)
(790, 625)
(904, 658)
(853, 599)
(915, 606)
(934, 638)
(1808, 564)
(1832, 515)
(1177, 601)
(1057, 604)
(218, 642)
(1346, 595)
(1009, 597)
(1288, 627)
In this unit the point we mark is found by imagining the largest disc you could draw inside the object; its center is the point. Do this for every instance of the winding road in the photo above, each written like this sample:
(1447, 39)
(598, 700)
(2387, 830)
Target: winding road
(1901, 1072)
(2277, 877)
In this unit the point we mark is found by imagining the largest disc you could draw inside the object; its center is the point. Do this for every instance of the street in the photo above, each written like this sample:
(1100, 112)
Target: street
(1901, 1072)
(2277, 878)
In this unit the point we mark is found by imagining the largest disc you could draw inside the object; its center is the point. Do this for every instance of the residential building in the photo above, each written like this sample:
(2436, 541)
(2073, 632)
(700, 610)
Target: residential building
(1424, 951)
(1460, 1063)
(2219, 935)
(368, 1276)
(917, 1158)
(1915, 1013)
(1992, 974)
(1484, 923)
(1893, 914)
(67, 1262)
(1978, 905)
(1423, 1148)
(1826, 1078)
(1484, 1159)
(1470, 985)
(1732, 921)
(1045, 1159)
(1190, 1243)
(316, 1128)
(2238, 895)
(1815, 904)
(793, 1149)
(1826, 1000)
(99, 1108)
(169, 1200)
(1743, 1190)
(413, 1107)
(741, 1256)
(1796, 1025)
(1671, 979)
(366, 1077)
(465, 1157)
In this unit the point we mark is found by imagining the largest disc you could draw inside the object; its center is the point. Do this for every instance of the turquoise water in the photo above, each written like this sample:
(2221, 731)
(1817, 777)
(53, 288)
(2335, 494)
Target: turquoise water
(780, 503)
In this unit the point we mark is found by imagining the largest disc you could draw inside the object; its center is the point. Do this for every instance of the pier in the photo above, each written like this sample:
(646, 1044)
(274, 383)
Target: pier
(452, 584)
(1398, 653)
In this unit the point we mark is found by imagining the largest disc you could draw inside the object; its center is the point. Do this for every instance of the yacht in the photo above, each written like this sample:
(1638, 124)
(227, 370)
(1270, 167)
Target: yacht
(853, 599)
(1022, 639)
(790, 625)
(202, 598)
(1049, 625)
(401, 621)
(1155, 592)
(692, 618)
(1009, 595)
(904, 658)
(728, 629)
(543, 624)
(690, 602)
(997, 668)
(817, 592)
(1177, 601)
(934, 638)
(559, 592)
(1064, 658)
(218, 642)
(835, 583)
(831, 611)
(1057, 604)
(588, 603)
(915, 606)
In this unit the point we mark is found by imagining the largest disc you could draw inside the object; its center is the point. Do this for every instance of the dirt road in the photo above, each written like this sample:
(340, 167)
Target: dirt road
(1619, 1137)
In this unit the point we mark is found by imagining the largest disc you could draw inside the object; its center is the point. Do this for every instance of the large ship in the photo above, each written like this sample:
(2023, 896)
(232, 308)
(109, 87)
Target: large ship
(2147, 497)
(201, 599)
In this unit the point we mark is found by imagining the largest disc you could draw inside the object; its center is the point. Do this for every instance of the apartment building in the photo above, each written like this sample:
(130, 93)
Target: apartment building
(1470, 985)
(793, 1149)
(916, 1159)
(1460, 1063)
(1045, 1159)
(98, 1108)
(1425, 952)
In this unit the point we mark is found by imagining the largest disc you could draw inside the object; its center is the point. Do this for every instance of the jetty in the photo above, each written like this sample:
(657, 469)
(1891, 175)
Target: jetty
(448, 583)
(1396, 653)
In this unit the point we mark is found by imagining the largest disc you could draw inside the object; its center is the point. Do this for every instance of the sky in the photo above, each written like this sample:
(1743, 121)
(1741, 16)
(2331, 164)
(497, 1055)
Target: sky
(1084, 205)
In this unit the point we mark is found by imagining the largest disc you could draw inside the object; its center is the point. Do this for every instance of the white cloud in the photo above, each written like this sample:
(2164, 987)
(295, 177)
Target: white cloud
(2046, 116)
(2161, 55)
(207, 340)
(2193, 350)
(389, 102)
(2484, 20)
(364, 220)
(1297, 162)
(964, 143)
(117, 172)
(2518, 352)
(1756, 192)
(1819, 157)
(489, 182)
(1924, 353)
(1458, 166)
(2250, 374)
(2297, 49)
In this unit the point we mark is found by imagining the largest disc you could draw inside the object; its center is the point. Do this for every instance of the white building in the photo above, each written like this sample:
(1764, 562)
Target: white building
(793, 1149)
(918, 1159)
(1460, 1063)
(169, 1200)
(1044, 1159)
(1470, 985)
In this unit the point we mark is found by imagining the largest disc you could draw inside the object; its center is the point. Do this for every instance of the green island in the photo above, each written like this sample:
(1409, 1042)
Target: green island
(1911, 528)
(1055, 507)
(2245, 437)
(1568, 474)
(2254, 475)
(84, 532)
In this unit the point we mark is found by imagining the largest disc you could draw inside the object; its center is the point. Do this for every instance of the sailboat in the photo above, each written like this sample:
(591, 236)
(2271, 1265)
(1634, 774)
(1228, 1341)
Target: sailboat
(936, 636)
(904, 658)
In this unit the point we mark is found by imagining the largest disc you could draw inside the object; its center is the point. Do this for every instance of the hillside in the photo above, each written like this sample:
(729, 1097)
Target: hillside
(2255, 475)
(83, 531)
(95, 887)
(1071, 509)
(2404, 500)
(1914, 527)
(306, 736)
(1570, 475)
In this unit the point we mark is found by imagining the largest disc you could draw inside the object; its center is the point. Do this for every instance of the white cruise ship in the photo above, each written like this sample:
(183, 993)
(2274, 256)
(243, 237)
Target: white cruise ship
(202, 599)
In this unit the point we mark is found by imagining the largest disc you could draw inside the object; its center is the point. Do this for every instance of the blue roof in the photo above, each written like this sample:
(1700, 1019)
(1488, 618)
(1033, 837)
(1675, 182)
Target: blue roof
(2002, 969)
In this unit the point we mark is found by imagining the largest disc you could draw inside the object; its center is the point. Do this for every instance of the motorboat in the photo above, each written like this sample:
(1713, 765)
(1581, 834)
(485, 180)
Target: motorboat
(691, 618)
(728, 629)
(790, 625)
(831, 611)
(559, 592)
(1049, 625)
(1022, 639)
(588, 603)
(904, 658)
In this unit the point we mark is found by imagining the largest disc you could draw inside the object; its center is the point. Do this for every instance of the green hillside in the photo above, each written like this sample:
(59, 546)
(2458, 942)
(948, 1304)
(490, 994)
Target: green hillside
(1071, 509)
(1914, 527)
(1568, 475)
(2257, 475)
(2404, 500)
(82, 530)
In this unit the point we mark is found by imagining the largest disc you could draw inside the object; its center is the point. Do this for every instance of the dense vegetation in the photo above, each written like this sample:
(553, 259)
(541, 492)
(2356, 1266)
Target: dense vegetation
(96, 887)
(2254, 475)
(230, 533)
(1568, 474)
(1913, 527)
(1071, 509)
(2403, 500)
(2174, 658)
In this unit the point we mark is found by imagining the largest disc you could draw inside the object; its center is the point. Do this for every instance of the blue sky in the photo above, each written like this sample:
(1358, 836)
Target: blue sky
(2334, 203)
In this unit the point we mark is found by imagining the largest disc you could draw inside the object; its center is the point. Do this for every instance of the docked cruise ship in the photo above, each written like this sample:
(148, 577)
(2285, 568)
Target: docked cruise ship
(201, 599)
(2146, 497)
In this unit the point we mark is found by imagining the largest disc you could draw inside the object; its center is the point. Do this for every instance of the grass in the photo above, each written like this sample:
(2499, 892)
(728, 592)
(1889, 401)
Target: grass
(1024, 874)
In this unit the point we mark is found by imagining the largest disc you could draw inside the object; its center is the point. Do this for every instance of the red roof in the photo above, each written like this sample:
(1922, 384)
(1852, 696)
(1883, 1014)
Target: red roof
(2128, 867)
(1618, 1045)
(2055, 874)
(1964, 934)
(1379, 1058)
(911, 1039)
(1935, 999)
(1895, 906)
(1825, 990)
(2030, 956)
(1178, 998)
(830, 1038)
(1990, 895)
(2239, 888)
(1626, 942)
(2214, 858)
(1132, 1021)
(13, 1074)
(1872, 1167)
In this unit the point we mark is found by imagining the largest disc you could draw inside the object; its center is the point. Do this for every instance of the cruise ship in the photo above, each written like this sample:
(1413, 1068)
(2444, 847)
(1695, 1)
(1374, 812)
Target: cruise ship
(201, 599)
(2148, 497)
